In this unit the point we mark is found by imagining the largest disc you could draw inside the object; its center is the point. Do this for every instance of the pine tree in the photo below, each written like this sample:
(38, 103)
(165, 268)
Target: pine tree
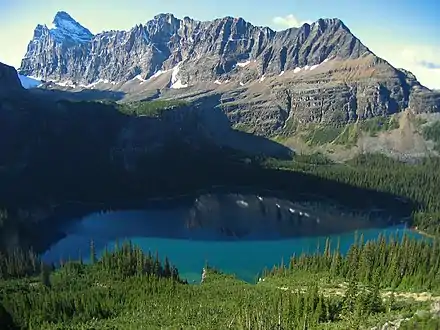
(45, 275)
(375, 303)
(320, 310)
(350, 296)
(327, 252)
(391, 302)
(92, 252)
(167, 268)
(175, 273)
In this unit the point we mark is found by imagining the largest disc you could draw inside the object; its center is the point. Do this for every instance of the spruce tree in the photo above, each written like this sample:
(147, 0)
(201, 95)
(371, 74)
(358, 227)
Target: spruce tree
(92, 252)
(45, 275)
(391, 302)
(167, 268)
(375, 303)
(350, 296)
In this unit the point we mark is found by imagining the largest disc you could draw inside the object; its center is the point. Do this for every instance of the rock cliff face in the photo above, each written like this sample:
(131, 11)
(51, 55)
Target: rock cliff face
(69, 51)
(316, 73)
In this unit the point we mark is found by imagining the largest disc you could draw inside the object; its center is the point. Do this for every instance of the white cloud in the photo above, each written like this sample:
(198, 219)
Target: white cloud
(288, 21)
(421, 60)
(424, 56)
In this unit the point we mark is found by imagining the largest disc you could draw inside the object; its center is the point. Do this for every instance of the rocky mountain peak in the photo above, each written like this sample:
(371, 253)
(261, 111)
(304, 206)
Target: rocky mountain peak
(165, 17)
(40, 32)
(325, 23)
(65, 27)
(61, 17)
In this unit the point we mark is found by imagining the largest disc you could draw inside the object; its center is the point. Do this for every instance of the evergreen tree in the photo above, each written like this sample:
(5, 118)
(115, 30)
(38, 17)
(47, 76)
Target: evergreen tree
(391, 302)
(375, 303)
(45, 275)
(167, 272)
(350, 296)
(92, 252)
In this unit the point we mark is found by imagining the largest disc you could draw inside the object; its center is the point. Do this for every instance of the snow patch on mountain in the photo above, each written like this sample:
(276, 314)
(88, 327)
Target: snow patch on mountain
(155, 75)
(29, 81)
(243, 64)
(158, 73)
(139, 77)
(176, 83)
(99, 81)
(309, 67)
(175, 73)
(67, 83)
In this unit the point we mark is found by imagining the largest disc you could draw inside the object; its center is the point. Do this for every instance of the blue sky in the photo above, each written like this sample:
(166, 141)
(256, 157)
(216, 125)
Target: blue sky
(404, 32)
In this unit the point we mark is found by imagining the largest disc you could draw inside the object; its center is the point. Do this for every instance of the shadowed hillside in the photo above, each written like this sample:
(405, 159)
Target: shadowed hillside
(62, 159)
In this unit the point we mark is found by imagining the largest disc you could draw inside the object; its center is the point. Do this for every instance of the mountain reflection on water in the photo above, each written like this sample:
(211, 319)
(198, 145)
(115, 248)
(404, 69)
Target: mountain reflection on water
(220, 228)
(236, 216)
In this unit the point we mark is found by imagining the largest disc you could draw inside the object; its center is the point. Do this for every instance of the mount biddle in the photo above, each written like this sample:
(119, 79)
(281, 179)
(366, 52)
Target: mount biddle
(318, 73)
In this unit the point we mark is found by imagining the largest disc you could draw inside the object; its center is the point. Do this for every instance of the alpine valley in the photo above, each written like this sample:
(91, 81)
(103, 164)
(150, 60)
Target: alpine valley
(228, 148)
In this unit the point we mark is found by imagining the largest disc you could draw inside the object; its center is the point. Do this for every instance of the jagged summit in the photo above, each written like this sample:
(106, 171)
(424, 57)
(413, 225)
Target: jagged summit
(208, 50)
(62, 16)
(165, 16)
(64, 28)
(333, 21)
(319, 72)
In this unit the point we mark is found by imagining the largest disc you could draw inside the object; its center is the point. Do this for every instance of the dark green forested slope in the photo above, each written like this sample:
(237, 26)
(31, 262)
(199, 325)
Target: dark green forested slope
(418, 182)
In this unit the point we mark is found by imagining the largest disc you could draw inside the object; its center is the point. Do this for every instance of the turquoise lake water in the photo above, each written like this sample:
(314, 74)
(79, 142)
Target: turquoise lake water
(192, 236)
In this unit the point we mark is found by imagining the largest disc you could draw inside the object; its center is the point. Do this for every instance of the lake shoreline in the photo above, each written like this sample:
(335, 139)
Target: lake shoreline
(245, 258)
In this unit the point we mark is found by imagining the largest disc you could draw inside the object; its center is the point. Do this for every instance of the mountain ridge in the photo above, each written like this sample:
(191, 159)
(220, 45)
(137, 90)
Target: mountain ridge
(165, 26)
(267, 80)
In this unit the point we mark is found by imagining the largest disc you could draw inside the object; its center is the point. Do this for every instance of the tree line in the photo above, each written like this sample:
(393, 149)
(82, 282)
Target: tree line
(389, 262)
(418, 182)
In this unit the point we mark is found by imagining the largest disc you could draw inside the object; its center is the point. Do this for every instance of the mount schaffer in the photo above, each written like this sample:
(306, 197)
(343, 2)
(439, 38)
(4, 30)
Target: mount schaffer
(318, 73)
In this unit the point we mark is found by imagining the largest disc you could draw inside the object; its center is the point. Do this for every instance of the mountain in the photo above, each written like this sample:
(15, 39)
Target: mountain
(64, 29)
(267, 80)
(165, 41)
